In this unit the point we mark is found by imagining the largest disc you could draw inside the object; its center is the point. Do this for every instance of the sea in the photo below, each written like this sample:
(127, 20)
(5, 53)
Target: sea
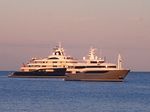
(57, 95)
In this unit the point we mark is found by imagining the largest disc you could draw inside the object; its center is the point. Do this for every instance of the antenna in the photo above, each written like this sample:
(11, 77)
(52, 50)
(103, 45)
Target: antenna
(119, 62)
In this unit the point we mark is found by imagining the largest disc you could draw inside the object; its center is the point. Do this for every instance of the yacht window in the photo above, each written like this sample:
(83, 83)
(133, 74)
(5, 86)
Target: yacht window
(41, 70)
(57, 53)
(53, 58)
(111, 66)
(69, 57)
(54, 65)
(102, 66)
(43, 65)
(93, 66)
(37, 65)
(93, 61)
(98, 71)
(79, 67)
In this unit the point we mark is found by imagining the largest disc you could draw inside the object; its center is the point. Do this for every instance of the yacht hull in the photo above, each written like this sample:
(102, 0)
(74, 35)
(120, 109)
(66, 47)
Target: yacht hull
(109, 75)
(56, 73)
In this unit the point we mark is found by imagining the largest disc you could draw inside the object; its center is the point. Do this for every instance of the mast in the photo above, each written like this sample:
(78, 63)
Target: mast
(119, 62)
(92, 54)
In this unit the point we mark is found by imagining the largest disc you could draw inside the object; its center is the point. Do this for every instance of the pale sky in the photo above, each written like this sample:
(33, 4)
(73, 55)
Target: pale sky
(31, 28)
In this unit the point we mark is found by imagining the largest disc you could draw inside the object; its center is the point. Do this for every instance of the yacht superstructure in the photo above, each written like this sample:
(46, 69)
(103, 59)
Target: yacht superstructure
(58, 59)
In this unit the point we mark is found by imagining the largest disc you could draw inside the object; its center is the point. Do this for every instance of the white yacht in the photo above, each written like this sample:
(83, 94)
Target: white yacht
(90, 68)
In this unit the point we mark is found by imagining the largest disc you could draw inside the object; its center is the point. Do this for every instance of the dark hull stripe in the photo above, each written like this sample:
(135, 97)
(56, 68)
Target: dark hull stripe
(60, 72)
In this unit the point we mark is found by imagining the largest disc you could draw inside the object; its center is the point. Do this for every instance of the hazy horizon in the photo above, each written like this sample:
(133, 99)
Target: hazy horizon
(31, 28)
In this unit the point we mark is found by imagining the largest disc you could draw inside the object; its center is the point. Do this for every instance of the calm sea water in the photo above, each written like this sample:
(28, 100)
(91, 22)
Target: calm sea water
(56, 95)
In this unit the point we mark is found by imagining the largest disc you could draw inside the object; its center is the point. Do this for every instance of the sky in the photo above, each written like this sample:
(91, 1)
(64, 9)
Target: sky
(31, 28)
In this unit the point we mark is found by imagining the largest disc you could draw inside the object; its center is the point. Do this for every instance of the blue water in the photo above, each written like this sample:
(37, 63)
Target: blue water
(56, 95)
